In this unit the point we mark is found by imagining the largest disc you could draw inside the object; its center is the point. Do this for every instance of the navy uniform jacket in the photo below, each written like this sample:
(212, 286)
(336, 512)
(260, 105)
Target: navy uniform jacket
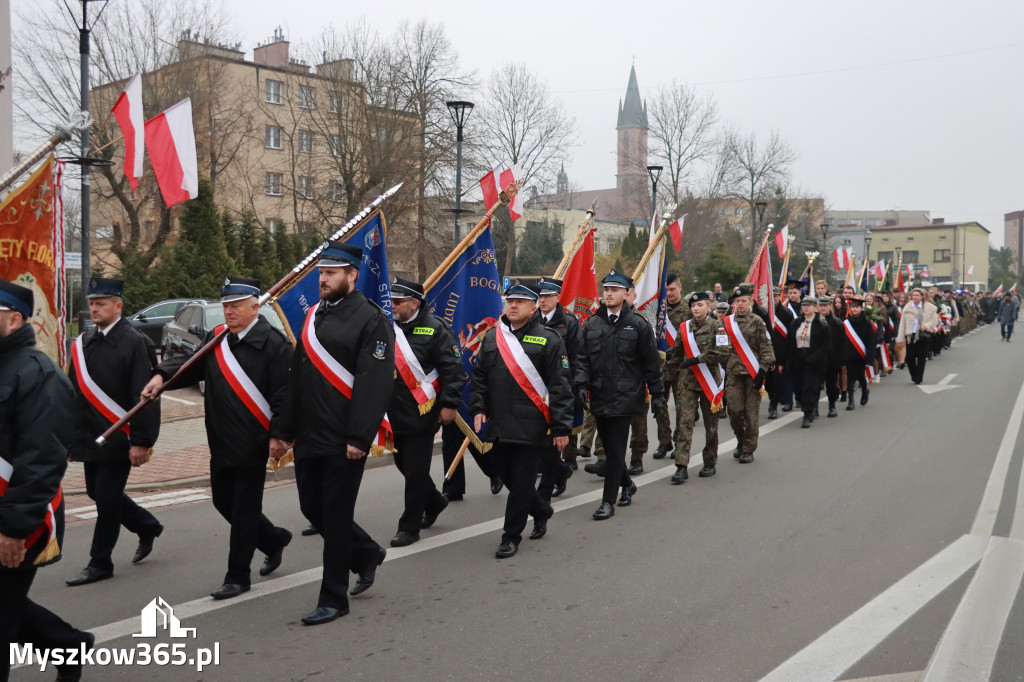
(567, 327)
(436, 347)
(511, 415)
(317, 416)
(237, 439)
(121, 363)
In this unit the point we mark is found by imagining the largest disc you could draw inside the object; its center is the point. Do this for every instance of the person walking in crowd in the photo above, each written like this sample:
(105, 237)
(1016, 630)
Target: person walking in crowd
(858, 351)
(750, 360)
(1007, 315)
(809, 345)
(917, 325)
(835, 352)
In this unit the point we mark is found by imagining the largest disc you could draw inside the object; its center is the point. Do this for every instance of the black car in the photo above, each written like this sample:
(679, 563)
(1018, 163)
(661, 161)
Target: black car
(185, 333)
(151, 319)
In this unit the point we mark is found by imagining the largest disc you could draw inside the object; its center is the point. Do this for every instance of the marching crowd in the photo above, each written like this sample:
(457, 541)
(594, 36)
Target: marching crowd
(357, 382)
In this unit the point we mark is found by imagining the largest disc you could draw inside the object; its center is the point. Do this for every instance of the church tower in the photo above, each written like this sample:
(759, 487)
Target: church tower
(632, 143)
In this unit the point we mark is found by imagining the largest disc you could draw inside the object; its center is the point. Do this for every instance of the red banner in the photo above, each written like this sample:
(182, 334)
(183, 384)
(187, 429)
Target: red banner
(580, 295)
(32, 252)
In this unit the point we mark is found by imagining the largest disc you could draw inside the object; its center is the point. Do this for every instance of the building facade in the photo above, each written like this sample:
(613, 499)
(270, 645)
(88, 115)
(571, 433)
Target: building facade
(948, 249)
(1013, 237)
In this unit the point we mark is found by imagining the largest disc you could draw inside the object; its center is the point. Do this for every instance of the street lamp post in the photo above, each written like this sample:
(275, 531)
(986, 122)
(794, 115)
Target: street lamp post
(760, 206)
(824, 246)
(460, 112)
(867, 251)
(654, 172)
(899, 261)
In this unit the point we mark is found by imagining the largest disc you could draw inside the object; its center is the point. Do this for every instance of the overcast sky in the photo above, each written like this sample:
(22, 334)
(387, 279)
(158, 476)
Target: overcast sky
(909, 104)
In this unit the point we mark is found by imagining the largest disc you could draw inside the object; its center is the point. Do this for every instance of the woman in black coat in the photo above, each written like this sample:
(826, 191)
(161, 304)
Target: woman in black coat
(809, 344)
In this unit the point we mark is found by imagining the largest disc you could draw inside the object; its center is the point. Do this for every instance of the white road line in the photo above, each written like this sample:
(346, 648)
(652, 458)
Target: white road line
(196, 607)
(145, 500)
(967, 650)
(177, 400)
(840, 648)
(198, 497)
(985, 520)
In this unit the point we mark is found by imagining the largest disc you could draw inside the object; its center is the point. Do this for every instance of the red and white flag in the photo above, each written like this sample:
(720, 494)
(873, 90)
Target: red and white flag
(1013, 289)
(842, 258)
(781, 241)
(128, 112)
(580, 295)
(171, 142)
(761, 277)
(675, 230)
(999, 290)
(970, 271)
(910, 271)
(498, 180)
(648, 283)
(926, 271)
(878, 269)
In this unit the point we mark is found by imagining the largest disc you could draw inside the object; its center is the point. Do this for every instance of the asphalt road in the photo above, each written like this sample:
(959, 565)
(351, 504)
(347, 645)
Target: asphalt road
(887, 543)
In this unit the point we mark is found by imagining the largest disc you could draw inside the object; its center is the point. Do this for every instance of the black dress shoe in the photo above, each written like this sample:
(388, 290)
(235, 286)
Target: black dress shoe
(91, 574)
(273, 561)
(368, 575)
(496, 485)
(680, 475)
(708, 471)
(453, 497)
(902, 365)
(746, 458)
(229, 590)
(850, 407)
(626, 498)
(864, 396)
(429, 517)
(773, 412)
(662, 451)
(806, 424)
(146, 545)
(540, 529)
(506, 550)
(636, 468)
(832, 410)
(404, 539)
(574, 466)
(597, 468)
(583, 452)
(309, 530)
(324, 614)
(563, 480)
(605, 511)
(788, 407)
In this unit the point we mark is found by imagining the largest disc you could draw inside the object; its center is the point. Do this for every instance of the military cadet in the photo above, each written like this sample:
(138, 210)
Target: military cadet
(111, 364)
(774, 382)
(859, 351)
(620, 364)
(555, 473)
(520, 389)
(749, 362)
(809, 346)
(677, 312)
(428, 389)
(835, 352)
(36, 427)
(341, 380)
(702, 346)
(246, 381)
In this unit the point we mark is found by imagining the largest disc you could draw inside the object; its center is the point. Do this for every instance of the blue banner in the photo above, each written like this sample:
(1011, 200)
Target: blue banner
(467, 297)
(294, 304)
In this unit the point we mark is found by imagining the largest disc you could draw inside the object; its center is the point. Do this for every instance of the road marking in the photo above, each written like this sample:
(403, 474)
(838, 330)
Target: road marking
(178, 400)
(967, 650)
(943, 385)
(148, 501)
(985, 520)
(196, 607)
(836, 651)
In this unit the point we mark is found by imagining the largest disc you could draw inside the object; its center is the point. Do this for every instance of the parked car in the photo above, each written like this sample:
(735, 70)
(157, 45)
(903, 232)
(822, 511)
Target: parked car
(151, 319)
(185, 333)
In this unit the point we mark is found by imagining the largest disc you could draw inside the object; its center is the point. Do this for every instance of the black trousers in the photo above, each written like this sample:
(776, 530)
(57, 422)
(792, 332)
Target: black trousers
(855, 372)
(807, 380)
(328, 487)
(614, 434)
(451, 441)
(787, 387)
(552, 470)
(238, 496)
(104, 482)
(917, 355)
(412, 457)
(518, 465)
(773, 384)
(25, 622)
(832, 382)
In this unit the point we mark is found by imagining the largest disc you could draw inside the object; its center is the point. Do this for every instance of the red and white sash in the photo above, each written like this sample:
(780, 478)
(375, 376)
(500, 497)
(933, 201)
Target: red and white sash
(671, 333)
(423, 386)
(6, 471)
(103, 403)
(240, 382)
(780, 327)
(49, 524)
(886, 360)
(742, 348)
(855, 340)
(337, 375)
(523, 371)
(869, 372)
(712, 390)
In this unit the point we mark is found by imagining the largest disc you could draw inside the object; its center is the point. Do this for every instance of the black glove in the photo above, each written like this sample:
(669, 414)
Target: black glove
(657, 402)
(689, 362)
(759, 379)
(582, 398)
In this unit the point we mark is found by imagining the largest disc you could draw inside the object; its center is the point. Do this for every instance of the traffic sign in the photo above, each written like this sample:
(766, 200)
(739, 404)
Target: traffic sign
(72, 260)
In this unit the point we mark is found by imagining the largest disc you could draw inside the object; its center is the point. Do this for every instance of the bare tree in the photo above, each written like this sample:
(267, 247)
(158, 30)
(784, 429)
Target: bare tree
(753, 168)
(682, 133)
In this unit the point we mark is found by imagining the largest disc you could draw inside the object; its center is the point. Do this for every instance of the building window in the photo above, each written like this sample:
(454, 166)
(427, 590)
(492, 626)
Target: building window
(305, 97)
(942, 256)
(942, 237)
(885, 255)
(272, 137)
(846, 242)
(105, 232)
(272, 184)
(335, 143)
(885, 240)
(335, 191)
(274, 224)
(739, 212)
(872, 222)
(909, 257)
(334, 102)
(304, 227)
(304, 187)
(721, 213)
(910, 239)
(306, 141)
(273, 92)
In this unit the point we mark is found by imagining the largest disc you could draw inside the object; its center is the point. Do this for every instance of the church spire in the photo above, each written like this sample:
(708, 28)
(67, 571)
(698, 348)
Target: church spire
(632, 112)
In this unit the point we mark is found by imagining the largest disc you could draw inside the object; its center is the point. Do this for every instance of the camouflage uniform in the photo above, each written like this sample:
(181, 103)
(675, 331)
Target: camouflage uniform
(713, 346)
(677, 314)
(743, 397)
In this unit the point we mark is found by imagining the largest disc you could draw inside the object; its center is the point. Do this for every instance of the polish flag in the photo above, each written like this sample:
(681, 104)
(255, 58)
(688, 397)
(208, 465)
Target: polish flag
(878, 269)
(1013, 289)
(171, 142)
(842, 258)
(648, 284)
(926, 271)
(970, 271)
(128, 112)
(498, 180)
(781, 239)
(910, 271)
(999, 290)
(675, 230)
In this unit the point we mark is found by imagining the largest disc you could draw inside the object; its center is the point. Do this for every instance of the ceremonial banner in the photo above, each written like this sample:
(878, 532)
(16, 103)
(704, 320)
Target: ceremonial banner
(304, 292)
(498, 179)
(649, 279)
(467, 296)
(580, 295)
(32, 253)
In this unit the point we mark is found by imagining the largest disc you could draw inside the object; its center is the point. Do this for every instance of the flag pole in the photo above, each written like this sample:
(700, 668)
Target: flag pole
(267, 295)
(576, 243)
(61, 134)
(642, 265)
(784, 273)
(764, 242)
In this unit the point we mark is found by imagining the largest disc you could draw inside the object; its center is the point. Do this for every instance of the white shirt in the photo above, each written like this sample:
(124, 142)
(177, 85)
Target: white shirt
(241, 334)
(803, 333)
(917, 316)
(106, 330)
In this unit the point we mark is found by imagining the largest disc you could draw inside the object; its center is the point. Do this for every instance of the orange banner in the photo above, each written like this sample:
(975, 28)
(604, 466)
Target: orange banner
(32, 252)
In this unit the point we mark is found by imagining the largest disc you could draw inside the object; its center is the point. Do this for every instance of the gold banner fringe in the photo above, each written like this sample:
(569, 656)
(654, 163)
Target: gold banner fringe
(51, 552)
(286, 459)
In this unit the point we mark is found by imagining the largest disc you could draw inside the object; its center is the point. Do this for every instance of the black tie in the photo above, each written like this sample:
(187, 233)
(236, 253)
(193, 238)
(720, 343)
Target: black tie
(612, 319)
(232, 339)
